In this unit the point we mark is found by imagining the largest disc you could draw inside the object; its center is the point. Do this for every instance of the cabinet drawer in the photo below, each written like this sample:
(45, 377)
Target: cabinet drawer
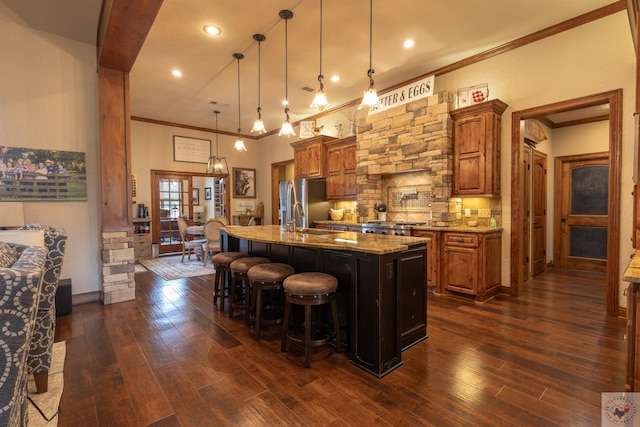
(466, 240)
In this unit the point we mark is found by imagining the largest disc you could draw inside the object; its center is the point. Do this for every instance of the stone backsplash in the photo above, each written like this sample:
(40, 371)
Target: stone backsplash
(404, 158)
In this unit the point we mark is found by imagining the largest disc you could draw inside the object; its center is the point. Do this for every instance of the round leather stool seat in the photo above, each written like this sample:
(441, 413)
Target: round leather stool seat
(239, 269)
(226, 258)
(309, 290)
(272, 272)
(310, 284)
(242, 265)
(266, 281)
(221, 263)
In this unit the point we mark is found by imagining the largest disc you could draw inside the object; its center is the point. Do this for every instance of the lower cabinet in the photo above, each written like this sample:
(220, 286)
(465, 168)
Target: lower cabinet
(434, 257)
(142, 246)
(471, 263)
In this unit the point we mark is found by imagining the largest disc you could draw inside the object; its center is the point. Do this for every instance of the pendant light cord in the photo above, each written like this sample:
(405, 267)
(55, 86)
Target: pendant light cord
(370, 72)
(320, 76)
(238, 58)
(286, 67)
(216, 113)
(259, 109)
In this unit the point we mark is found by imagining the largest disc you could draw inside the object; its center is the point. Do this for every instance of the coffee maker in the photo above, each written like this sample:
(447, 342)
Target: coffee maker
(143, 212)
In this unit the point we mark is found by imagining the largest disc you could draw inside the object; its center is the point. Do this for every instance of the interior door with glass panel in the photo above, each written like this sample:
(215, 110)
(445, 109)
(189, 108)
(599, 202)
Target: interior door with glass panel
(582, 219)
(172, 200)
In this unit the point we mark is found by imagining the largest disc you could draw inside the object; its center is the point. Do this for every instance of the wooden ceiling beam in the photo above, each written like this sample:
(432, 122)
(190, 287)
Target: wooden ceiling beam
(124, 25)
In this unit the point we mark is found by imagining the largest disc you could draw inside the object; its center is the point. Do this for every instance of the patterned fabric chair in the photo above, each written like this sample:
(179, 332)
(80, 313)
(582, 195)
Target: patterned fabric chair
(39, 360)
(20, 286)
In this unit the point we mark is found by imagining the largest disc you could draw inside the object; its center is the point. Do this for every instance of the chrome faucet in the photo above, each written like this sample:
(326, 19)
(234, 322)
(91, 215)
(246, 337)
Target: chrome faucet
(298, 212)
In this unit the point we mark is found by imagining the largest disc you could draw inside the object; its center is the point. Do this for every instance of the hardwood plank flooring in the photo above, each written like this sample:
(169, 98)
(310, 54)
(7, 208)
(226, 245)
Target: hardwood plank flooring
(170, 358)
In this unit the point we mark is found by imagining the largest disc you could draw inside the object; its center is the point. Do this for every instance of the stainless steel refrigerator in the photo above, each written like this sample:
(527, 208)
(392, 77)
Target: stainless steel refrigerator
(311, 194)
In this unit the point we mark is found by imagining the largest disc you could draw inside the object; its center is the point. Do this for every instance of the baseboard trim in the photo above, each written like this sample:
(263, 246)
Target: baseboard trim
(78, 299)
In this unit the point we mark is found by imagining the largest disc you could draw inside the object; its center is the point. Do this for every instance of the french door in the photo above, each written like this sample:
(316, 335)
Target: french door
(171, 199)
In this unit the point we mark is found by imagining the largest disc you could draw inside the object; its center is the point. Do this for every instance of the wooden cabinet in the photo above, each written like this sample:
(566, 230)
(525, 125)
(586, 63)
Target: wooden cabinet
(632, 382)
(309, 157)
(142, 238)
(341, 169)
(434, 257)
(471, 263)
(476, 148)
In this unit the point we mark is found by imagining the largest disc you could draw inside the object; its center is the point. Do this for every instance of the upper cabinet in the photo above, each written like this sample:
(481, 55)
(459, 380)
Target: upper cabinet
(476, 149)
(309, 157)
(341, 169)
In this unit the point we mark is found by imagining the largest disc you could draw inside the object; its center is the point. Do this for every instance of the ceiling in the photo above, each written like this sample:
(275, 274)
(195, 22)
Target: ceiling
(444, 31)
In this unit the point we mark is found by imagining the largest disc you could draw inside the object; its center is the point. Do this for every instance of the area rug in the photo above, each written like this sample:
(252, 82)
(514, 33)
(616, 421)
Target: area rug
(43, 407)
(170, 268)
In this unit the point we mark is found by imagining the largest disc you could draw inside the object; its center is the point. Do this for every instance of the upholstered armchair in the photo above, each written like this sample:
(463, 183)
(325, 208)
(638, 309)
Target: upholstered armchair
(39, 360)
(20, 286)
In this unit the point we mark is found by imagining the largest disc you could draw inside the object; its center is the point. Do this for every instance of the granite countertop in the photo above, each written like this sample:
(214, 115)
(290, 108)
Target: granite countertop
(632, 273)
(379, 244)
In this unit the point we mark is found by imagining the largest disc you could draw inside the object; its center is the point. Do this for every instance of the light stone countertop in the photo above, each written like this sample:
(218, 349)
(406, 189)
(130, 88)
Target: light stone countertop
(379, 244)
(632, 273)
(459, 228)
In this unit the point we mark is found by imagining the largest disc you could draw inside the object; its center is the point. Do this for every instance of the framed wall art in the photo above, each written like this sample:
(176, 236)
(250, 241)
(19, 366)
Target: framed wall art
(244, 183)
(191, 150)
(196, 196)
(207, 193)
(33, 174)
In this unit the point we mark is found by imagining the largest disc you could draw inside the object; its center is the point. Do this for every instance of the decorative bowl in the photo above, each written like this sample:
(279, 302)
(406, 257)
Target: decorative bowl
(336, 214)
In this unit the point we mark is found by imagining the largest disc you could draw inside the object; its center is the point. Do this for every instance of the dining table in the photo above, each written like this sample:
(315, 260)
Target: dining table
(195, 230)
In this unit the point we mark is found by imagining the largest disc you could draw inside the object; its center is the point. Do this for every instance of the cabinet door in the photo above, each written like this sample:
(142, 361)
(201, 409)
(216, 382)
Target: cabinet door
(460, 272)
(300, 162)
(349, 172)
(314, 161)
(469, 155)
(433, 257)
(334, 173)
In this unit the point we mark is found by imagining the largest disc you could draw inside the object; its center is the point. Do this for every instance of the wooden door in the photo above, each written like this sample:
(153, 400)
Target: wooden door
(171, 199)
(526, 216)
(539, 212)
(582, 211)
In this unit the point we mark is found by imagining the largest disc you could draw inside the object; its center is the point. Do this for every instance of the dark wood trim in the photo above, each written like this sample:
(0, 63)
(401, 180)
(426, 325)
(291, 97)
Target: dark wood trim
(614, 99)
(514, 44)
(86, 298)
(632, 11)
(579, 122)
(123, 28)
(183, 126)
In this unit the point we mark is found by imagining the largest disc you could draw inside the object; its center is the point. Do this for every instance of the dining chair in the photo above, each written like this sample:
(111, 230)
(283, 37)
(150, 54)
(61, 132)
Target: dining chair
(223, 220)
(212, 236)
(188, 246)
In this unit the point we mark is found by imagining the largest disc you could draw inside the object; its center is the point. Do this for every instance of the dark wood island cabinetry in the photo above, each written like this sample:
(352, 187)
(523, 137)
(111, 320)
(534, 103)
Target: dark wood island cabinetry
(381, 291)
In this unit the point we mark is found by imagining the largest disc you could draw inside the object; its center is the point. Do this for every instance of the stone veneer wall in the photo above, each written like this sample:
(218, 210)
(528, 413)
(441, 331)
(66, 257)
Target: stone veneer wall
(118, 267)
(411, 137)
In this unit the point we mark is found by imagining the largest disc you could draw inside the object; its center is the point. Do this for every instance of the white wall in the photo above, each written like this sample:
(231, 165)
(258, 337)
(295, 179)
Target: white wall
(49, 99)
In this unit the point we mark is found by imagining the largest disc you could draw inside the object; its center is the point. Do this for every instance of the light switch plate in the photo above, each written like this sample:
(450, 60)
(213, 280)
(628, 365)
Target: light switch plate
(484, 213)
(467, 213)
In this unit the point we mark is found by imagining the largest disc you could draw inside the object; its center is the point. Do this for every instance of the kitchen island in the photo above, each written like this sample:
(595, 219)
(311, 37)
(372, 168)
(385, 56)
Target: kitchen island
(381, 284)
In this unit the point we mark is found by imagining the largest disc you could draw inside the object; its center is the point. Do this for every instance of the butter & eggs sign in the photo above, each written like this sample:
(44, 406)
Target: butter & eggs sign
(405, 94)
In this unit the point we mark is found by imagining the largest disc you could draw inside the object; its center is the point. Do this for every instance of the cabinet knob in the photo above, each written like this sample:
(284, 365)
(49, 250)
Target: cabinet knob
(460, 239)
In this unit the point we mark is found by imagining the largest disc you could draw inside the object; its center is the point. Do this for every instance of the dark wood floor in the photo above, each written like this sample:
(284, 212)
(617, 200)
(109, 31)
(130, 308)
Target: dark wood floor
(170, 358)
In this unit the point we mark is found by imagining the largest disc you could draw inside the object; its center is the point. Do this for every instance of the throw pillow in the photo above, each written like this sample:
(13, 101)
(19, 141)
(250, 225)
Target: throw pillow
(8, 255)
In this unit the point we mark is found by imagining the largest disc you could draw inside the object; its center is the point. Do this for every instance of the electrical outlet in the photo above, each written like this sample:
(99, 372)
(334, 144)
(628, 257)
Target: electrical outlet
(484, 213)
(467, 213)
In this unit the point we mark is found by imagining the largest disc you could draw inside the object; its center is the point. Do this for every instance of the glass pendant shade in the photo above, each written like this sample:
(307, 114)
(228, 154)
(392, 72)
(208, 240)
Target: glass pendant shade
(370, 98)
(286, 129)
(239, 145)
(258, 127)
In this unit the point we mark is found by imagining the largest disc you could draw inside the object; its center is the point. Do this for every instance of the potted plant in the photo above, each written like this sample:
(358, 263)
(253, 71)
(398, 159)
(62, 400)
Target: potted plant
(382, 211)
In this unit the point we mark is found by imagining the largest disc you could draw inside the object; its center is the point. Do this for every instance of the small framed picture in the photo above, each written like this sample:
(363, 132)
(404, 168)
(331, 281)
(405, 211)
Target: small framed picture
(196, 196)
(207, 193)
(244, 183)
(306, 129)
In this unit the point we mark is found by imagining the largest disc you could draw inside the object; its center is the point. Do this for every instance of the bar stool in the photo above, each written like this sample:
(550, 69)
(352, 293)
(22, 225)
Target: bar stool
(239, 269)
(266, 277)
(309, 289)
(221, 262)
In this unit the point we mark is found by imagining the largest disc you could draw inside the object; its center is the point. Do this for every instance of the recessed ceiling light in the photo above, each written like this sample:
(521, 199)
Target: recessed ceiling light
(408, 43)
(212, 30)
(177, 73)
(335, 78)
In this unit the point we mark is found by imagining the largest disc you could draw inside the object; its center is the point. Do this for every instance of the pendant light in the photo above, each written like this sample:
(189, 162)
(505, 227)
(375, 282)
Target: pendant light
(320, 101)
(286, 129)
(239, 145)
(370, 98)
(217, 164)
(258, 125)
